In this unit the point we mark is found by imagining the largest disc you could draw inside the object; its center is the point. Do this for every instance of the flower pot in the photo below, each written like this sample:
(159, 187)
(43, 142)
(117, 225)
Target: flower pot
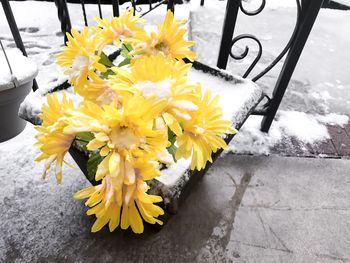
(14, 87)
(240, 96)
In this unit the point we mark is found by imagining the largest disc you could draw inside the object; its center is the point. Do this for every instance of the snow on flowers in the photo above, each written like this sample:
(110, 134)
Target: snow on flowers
(134, 117)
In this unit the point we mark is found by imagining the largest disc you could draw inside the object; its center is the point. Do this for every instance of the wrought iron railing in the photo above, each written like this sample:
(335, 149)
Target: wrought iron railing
(307, 11)
(64, 17)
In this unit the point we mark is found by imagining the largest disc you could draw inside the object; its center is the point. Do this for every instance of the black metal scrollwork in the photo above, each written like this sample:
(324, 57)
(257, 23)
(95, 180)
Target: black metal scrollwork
(252, 37)
(246, 51)
(254, 12)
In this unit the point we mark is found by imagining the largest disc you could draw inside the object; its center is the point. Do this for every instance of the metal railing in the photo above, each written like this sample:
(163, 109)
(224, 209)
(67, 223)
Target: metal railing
(64, 17)
(307, 11)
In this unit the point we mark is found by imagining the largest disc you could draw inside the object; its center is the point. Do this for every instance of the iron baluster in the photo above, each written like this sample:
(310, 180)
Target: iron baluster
(84, 12)
(15, 32)
(286, 48)
(63, 16)
(232, 8)
(115, 6)
(310, 11)
(170, 5)
(99, 8)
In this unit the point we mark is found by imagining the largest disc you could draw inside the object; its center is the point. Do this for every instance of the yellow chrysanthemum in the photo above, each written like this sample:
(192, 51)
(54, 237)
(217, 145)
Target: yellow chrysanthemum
(125, 137)
(121, 129)
(165, 79)
(125, 28)
(169, 39)
(115, 203)
(51, 140)
(98, 90)
(203, 132)
(79, 58)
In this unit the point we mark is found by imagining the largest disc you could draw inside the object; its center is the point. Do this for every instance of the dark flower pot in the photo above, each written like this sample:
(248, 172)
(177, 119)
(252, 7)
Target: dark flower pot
(16, 81)
(10, 100)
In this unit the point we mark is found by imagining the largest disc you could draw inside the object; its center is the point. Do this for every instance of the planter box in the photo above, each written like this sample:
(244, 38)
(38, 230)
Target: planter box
(13, 89)
(238, 98)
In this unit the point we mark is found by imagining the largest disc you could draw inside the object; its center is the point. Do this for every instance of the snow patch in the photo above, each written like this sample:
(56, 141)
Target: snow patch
(171, 174)
(23, 69)
(307, 128)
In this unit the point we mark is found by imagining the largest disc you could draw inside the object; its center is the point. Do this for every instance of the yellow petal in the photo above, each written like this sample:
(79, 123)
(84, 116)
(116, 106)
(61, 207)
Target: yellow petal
(135, 219)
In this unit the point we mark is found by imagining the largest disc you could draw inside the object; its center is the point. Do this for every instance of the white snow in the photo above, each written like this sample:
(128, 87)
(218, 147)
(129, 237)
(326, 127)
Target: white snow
(173, 172)
(160, 89)
(236, 97)
(23, 69)
(343, 2)
(306, 128)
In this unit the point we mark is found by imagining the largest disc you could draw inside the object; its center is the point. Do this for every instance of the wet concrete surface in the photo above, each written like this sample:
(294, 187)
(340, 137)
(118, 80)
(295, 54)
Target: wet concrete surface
(246, 209)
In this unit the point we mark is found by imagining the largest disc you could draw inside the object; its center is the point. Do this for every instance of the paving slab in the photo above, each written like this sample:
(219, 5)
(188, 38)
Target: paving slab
(245, 209)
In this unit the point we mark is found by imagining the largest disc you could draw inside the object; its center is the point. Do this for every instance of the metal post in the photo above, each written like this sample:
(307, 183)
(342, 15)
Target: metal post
(232, 8)
(170, 5)
(310, 9)
(15, 32)
(202, 2)
(82, 2)
(63, 16)
(115, 5)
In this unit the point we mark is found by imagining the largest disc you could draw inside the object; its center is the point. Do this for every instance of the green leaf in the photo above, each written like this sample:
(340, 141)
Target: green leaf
(83, 139)
(126, 61)
(171, 136)
(172, 139)
(105, 60)
(85, 136)
(94, 160)
(126, 48)
(105, 75)
(172, 150)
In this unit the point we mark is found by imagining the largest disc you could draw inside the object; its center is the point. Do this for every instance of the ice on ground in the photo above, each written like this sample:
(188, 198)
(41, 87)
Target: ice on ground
(23, 69)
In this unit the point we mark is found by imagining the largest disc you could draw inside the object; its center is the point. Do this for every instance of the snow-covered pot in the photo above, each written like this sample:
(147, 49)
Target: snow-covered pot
(238, 98)
(14, 87)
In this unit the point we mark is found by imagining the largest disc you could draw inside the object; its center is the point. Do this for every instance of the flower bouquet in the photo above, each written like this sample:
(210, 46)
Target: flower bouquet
(136, 115)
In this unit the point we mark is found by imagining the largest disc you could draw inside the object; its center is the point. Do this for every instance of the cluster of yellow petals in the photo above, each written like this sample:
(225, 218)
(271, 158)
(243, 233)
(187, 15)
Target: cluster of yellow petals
(130, 112)
(51, 140)
(169, 39)
(126, 28)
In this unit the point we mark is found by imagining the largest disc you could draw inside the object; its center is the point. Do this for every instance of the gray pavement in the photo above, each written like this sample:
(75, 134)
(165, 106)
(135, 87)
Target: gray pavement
(246, 209)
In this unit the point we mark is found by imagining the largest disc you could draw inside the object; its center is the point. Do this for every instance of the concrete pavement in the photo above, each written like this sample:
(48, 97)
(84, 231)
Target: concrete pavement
(246, 209)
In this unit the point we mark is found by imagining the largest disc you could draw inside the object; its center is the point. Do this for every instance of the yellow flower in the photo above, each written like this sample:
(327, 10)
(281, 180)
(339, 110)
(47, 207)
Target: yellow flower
(98, 90)
(203, 132)
(169, 39)
(166, 79)
(114, 203)
(123, 28)
(51, 140)
(122, 130)
(79, 58)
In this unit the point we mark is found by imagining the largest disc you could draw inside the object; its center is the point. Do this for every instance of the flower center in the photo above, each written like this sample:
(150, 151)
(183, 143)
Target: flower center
(124, 138)
(79, 63)
(162, 47)
(121, 32)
